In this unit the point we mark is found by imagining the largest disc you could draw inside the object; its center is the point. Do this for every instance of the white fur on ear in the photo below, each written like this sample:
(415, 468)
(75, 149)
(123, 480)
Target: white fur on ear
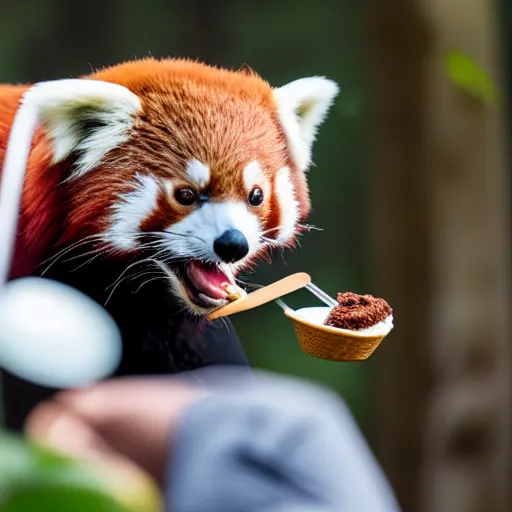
(302, 106)
(89, 117)
(62, 106)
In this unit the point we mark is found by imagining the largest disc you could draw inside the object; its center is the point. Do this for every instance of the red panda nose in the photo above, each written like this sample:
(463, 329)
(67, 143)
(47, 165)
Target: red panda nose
(231, 246)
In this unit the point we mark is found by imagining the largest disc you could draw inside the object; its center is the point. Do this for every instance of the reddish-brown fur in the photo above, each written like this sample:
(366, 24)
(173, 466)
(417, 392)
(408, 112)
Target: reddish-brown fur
(223, 118)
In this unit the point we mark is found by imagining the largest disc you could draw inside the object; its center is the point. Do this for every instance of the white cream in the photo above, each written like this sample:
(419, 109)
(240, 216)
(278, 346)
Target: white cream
(319, 315)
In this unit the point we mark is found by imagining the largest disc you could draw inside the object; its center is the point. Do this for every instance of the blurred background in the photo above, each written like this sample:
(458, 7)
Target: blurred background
(410, 188)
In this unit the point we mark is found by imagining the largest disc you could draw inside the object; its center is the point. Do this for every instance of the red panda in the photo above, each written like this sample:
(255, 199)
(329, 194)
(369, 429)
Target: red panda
(151, 185)
(202, 168)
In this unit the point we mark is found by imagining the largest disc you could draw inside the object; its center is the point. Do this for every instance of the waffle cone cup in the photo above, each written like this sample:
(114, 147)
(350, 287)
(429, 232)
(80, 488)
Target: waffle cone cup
(326, 342)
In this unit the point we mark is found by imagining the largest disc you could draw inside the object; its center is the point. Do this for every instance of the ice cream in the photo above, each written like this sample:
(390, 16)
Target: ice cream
(361, 313)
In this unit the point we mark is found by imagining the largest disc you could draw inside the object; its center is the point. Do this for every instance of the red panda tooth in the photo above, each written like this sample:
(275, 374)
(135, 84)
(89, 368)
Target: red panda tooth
(228, 272)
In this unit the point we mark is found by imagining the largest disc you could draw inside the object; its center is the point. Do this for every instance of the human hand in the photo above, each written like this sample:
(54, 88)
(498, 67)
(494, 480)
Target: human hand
(123, 422)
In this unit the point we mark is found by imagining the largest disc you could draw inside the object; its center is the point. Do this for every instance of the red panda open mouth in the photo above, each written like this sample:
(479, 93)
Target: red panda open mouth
(206, 284)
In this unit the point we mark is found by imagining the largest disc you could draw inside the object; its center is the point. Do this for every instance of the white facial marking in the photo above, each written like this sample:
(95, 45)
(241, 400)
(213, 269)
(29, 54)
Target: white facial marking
(253, 175)
(204, 225)
(302, 106)
(131, 209)
(66, 106)
(198, 173)
(169, 188)
(288, 205)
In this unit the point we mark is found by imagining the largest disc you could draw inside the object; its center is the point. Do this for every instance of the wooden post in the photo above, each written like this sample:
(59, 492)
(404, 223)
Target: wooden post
(441, 239)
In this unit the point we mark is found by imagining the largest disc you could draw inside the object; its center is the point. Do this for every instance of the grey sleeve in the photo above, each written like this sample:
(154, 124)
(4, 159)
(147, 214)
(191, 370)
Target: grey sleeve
(275, 446)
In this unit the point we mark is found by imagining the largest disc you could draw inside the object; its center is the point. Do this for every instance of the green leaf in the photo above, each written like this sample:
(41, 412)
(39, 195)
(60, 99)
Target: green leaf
(466, 74)
(58, 498)
(36, 479)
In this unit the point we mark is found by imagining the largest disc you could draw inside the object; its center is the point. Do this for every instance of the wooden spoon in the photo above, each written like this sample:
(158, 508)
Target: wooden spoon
(263, 295)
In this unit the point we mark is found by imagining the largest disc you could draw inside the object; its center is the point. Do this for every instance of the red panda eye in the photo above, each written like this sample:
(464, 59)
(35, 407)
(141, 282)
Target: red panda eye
(256, 196)
(185, 196)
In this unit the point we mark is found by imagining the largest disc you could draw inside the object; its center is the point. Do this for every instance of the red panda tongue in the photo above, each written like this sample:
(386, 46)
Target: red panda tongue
(208, 279)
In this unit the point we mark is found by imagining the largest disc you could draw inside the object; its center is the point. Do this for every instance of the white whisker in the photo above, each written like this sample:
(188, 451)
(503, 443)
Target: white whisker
(120, 279)
(65, 251)
(149, 281)
(82, 255)
(87, 262)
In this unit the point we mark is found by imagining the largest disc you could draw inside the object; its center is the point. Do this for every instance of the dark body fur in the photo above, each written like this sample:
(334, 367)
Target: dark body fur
(158, 338)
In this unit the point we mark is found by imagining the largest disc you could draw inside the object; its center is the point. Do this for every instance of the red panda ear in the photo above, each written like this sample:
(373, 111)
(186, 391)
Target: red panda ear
(247, 70)
(86, 118)
(303, 106)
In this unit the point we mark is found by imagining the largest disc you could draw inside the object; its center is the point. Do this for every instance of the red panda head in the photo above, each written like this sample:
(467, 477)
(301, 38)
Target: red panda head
(200, 168)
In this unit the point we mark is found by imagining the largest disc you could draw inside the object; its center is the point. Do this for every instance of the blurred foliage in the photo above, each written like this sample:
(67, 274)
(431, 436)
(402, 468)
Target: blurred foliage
(466, 74)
